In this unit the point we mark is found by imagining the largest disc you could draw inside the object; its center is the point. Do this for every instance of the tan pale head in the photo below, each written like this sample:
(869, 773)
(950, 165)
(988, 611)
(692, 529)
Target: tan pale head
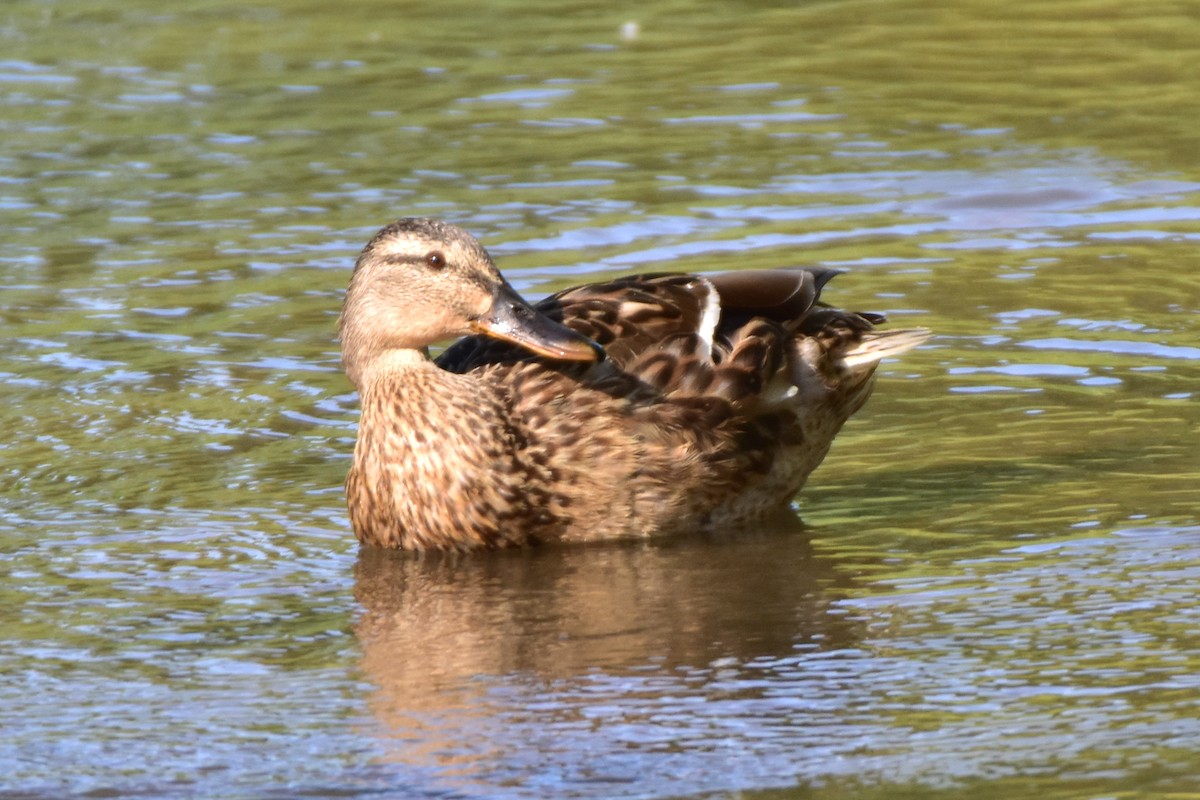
(421, 281)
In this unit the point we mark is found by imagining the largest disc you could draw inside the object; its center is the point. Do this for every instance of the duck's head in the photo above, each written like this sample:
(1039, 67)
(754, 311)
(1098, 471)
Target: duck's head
(421, 281)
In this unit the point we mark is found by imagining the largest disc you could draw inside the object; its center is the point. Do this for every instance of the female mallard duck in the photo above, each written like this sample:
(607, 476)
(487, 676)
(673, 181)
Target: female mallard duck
(646, 405)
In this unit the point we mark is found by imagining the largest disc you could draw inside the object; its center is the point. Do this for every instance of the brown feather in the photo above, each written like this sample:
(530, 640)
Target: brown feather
(717, 397)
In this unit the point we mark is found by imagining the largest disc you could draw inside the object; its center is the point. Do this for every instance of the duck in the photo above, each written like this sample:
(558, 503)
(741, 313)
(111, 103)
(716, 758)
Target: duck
(643, 406)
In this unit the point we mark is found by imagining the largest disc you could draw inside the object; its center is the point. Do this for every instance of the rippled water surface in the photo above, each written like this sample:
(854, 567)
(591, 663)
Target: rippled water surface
(993, 591)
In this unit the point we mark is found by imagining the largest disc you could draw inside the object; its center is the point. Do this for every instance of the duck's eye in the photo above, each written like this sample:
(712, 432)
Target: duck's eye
(435, 260)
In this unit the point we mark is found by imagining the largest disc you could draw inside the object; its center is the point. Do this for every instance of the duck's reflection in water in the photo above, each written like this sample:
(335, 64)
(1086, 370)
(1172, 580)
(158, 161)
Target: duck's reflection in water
(474, 658)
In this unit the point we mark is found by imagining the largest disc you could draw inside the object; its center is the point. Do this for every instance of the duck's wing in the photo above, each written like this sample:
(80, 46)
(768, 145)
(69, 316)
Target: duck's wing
(720, 338)
(763, 338)
(631, 315)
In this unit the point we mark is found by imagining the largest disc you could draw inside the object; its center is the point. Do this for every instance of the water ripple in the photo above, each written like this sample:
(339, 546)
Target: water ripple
(1116, 347)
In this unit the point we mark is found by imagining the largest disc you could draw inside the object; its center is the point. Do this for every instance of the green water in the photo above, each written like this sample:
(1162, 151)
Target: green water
(994, 592)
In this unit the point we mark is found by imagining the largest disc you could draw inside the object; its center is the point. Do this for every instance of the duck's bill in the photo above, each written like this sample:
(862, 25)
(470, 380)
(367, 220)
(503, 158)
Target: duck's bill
(514, 320)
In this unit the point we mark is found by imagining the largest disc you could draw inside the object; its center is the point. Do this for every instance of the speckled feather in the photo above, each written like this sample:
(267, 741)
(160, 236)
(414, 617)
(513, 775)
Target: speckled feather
(717, 398)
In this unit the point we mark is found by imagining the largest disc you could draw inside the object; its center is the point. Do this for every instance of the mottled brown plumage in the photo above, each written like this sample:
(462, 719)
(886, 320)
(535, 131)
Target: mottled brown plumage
(643, 406)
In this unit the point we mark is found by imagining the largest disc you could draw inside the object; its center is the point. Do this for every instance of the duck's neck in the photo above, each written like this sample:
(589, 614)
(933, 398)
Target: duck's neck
(363, 372)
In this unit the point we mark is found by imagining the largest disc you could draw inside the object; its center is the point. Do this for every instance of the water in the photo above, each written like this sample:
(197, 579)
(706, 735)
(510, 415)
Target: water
(991, 590)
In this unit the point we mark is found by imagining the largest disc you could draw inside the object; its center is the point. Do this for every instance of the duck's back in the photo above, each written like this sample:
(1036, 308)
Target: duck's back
(718, 396)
